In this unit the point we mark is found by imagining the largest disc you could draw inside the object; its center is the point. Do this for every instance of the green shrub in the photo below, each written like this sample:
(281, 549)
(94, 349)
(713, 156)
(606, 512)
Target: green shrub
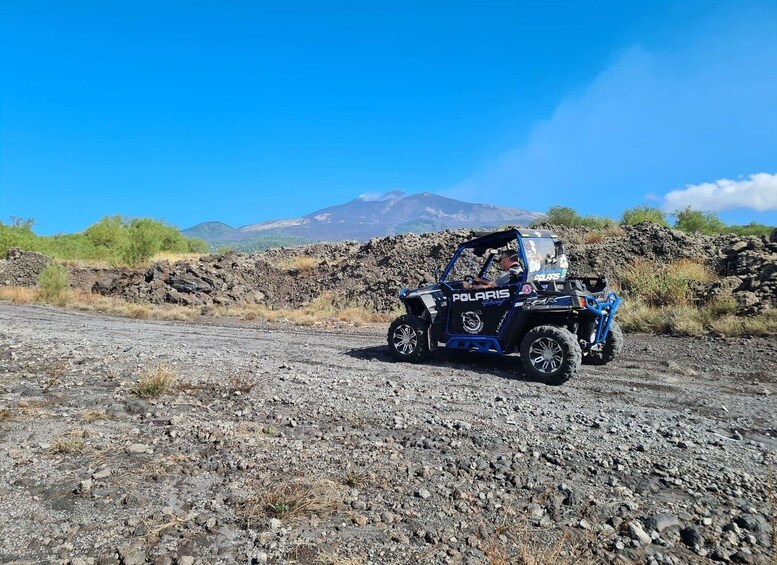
(112, 240)
(562, 216)
(143, 241)
(109, 233)
(567, 217)
(197, 245)
(696, 221)
(644, 213)
(53, 285)
(663, 285)
(752, 228)
(597, 222)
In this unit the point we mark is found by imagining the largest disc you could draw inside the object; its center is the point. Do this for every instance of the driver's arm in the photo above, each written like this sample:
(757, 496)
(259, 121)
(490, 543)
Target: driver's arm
(479, 283)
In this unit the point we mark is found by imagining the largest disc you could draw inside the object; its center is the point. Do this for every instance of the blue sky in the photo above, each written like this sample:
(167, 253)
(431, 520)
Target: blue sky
(250, 111)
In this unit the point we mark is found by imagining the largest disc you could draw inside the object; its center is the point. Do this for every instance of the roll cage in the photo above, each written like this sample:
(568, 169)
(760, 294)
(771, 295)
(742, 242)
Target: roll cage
(489, 241)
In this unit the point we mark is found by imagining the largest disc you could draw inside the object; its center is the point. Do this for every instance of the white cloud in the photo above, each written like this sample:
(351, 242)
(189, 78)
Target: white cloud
(370, 196)
(758, 192)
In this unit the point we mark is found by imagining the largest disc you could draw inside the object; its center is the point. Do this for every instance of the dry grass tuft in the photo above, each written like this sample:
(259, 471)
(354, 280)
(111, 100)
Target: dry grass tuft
(6, 414)
(69, 443)
(89, 302)
(354, 478)
(89, 416)
(326, 310)
(292, 499)
(175, 257)
(118, 263)
(303, 265)
(717, 317)
(18, 294)
(518, 543)
(327, 558)
(240, 380)
(155, 381)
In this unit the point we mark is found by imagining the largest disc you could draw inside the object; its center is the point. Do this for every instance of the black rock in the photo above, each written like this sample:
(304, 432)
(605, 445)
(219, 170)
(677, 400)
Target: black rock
(692, 537)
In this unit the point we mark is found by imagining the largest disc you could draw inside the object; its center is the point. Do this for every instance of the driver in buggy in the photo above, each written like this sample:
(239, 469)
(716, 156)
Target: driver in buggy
(511, 270)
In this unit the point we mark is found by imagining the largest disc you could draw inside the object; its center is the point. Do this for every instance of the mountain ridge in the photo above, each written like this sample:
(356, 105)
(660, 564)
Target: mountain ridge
(368, 216)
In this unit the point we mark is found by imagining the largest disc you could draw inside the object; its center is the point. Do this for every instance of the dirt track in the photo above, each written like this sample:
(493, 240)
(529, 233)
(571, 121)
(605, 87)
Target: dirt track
(661, 457)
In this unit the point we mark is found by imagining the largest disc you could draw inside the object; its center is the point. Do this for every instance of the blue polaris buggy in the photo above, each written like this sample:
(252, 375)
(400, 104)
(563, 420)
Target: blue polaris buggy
(508, 292)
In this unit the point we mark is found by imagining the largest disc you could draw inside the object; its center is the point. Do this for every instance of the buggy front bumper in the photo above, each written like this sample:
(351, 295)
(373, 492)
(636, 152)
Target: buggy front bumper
(604, 310)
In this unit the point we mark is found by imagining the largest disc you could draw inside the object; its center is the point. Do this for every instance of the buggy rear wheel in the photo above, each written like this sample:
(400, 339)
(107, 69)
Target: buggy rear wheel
(550, 354)
(408, 339)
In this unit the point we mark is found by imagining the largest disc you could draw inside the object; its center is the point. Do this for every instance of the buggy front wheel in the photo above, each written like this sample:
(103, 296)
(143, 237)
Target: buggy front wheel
(408, 339)
(550, 354)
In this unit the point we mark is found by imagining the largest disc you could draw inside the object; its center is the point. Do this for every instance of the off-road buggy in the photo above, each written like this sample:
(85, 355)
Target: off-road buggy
(554, 321)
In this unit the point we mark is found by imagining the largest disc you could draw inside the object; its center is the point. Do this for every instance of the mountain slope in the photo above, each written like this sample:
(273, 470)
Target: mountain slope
(210, 231)
(363, 218)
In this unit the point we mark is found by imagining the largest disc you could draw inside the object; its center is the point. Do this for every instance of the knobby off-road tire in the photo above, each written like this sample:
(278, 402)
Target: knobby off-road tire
(550, 354)
(611, 348)
(408, 339)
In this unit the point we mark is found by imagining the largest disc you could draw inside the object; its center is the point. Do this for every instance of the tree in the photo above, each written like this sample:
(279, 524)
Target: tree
(562, 216)
(144, 240)
(696, 221)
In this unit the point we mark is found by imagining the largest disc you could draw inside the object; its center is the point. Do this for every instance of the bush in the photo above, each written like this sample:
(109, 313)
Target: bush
(696, 221)
(752, 228)
(663, 285)
(567, 217)
(144, 240)
(644, 213)
(53, 284)
(197, 245)
(108, 233)
(562, 216)
(112, 240)
(597, 222)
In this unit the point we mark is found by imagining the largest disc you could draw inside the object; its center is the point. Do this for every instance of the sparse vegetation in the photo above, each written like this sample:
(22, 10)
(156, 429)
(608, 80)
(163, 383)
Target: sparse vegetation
(687, 220)
(325, 310)
(89, 416)
(659, 301)
(663, 284)
(70, 442)
(716, 317)
(290, 499)
(155, 381)
(354, 478)
(328, 558)
(568, 217)
(644, 213)
(97, 303)
(303, 265)
(53, 285)
(516, 542)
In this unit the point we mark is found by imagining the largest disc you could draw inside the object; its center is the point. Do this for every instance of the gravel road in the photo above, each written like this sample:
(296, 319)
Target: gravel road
(286, 444)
